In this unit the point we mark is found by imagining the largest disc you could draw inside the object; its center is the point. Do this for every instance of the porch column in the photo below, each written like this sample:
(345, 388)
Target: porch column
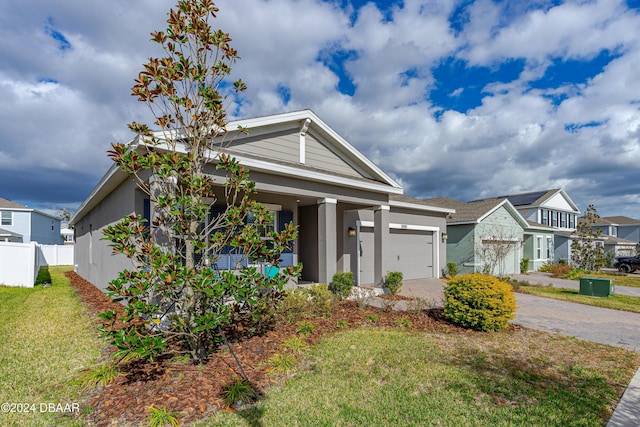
(327, 244)
(381, 243)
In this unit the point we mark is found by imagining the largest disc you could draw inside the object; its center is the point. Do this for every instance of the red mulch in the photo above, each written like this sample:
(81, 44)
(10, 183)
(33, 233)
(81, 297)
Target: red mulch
(196, 391)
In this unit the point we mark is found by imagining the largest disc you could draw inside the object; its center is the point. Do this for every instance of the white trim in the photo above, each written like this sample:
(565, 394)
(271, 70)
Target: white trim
(421, 207)
(397, 226)
(382, 208)
(271, 168)
(324, 128)
(328, 200)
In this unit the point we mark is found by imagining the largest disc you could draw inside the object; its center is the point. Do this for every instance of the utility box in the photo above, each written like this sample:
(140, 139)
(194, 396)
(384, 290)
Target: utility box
(596, 286)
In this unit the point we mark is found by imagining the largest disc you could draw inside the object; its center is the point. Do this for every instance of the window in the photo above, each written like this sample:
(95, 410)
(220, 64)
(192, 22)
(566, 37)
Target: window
(554, 219)
(549, 248)
(572, 221)
(7, 218)
(538, 247)
(545, 217)
(264, 230)
(563, 220)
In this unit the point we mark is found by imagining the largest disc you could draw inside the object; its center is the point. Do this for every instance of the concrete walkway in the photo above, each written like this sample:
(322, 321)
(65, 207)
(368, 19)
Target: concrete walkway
(612, 327)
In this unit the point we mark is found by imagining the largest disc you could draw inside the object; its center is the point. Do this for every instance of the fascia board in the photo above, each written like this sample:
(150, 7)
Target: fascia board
(261, 165)
(420, 207)
(93, 198)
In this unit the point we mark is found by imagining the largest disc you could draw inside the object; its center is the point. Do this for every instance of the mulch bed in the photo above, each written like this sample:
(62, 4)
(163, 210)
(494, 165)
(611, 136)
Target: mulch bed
(196, 391)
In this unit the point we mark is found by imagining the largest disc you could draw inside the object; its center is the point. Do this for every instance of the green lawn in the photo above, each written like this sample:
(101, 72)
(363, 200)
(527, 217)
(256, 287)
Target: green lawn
(632, 280)
(46, 340)
(616, 302)
(367, 377)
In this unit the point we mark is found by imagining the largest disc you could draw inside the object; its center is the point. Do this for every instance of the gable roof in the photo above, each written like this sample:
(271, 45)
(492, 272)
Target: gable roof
(7, 233)
(8, 204)
(617, 220)
(474, 212)
(369, 177)
(402, 201)
(537, 198)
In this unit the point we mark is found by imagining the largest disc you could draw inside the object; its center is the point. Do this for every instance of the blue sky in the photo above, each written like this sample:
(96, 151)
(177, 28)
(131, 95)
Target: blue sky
(458, 98)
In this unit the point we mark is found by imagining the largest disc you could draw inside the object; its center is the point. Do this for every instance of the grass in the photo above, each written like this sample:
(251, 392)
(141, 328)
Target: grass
(632, 280)
(368, 376)
(616, 302)
(47, 339)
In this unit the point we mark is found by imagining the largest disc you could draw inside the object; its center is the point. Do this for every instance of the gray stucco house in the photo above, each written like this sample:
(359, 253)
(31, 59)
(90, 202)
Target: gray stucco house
(22, 224)
(351, 215)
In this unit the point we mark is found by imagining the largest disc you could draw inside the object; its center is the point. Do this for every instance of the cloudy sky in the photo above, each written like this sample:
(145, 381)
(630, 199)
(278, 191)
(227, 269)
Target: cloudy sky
(459, 98)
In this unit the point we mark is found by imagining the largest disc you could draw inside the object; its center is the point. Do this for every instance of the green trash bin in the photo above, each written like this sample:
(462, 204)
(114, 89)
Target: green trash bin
(596, 286)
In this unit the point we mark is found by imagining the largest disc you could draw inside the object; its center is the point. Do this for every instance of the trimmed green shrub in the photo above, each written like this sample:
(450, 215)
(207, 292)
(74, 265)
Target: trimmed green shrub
(393, 281)
(524, 264)
(479, 302)
(452, 269)
(341, 284)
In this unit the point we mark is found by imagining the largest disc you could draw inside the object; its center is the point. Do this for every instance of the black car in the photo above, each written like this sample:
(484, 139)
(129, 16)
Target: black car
(627, 264)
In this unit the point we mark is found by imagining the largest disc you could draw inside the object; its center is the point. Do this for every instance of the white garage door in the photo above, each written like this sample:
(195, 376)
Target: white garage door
(411, 252)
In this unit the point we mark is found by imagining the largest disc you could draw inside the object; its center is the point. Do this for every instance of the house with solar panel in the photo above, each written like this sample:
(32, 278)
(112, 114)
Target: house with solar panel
(552, 218)
(494, 234)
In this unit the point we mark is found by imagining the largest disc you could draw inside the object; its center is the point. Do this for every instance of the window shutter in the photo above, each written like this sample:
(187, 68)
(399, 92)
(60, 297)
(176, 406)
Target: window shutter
(284, 218)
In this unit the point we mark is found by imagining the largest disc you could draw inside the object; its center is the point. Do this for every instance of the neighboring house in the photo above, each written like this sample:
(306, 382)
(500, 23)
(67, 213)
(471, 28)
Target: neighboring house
(621, 234)
(67, 235)
(484, 235)
(30, 224)
(351, 215)
(8, 236)
(552, 209)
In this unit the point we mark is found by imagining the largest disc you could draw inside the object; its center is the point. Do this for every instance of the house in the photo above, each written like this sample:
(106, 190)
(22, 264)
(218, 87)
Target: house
(22, 224)
(547, 210)
(351, 215)
(484, 235)
(621, 235)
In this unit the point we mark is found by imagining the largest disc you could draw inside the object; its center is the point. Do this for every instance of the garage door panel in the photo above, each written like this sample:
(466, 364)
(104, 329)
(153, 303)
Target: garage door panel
(411, 252)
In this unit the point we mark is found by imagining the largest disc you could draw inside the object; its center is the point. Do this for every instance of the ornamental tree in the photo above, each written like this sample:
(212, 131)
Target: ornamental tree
(587, 252)
(175, 300)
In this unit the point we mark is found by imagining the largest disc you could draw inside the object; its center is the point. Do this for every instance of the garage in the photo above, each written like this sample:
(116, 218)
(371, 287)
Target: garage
(411, 252)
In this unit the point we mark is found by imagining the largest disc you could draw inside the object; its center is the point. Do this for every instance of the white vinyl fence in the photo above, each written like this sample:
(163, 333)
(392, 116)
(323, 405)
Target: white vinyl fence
(20, 262)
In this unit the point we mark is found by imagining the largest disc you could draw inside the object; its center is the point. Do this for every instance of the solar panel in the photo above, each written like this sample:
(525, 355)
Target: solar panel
(524, 199)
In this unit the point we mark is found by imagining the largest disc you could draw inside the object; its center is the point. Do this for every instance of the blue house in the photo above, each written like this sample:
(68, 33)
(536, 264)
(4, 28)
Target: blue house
(19, 223)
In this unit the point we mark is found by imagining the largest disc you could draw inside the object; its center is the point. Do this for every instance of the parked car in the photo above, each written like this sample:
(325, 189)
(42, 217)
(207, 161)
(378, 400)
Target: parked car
(627, 264)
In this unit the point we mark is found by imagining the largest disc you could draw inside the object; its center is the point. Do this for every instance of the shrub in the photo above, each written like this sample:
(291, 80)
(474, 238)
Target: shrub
(524, 264)
(452, 269)
(316, 301)
(480, 302)
(393, 281)
(341, 284)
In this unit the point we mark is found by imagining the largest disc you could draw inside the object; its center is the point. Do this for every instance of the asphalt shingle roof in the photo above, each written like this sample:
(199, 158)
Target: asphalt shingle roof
(8, 204)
